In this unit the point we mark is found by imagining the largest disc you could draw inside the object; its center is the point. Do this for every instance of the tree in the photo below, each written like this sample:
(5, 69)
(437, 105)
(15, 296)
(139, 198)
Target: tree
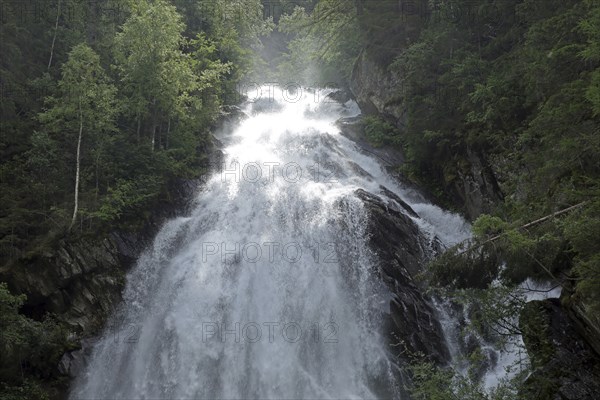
(326, 38)
(85, 102)
(235, 29)
(155, 73)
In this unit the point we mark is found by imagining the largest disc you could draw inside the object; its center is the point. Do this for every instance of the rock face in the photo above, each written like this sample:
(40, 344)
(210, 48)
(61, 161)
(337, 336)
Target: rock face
(73, 362)
(476, 188)
(401, 250)
(391, 158)
(413, 325)
(380, 90)
(565, 366)
(78, 281)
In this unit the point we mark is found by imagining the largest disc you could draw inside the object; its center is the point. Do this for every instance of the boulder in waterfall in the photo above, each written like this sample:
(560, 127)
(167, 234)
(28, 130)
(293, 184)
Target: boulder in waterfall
(402, 251)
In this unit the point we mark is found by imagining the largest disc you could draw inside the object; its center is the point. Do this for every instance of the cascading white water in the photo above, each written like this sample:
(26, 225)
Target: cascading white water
(246, 297)
(513, 358)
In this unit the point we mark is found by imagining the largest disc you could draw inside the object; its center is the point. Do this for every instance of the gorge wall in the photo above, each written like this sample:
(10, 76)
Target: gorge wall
(379, 90)
(471, 183)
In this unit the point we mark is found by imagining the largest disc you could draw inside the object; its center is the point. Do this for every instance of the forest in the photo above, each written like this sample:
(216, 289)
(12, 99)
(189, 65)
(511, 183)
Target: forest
(107, 105)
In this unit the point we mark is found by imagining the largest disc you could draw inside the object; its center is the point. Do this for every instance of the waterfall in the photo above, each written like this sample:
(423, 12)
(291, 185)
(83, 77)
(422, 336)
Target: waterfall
(247, 296)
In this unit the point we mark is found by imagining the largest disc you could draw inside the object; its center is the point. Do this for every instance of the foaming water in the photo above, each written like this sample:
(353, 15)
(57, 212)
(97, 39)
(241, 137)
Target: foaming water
(513, 358)
(248, 296)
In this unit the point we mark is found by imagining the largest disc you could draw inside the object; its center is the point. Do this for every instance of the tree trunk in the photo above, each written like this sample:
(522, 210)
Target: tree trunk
(522, 227)
(359, 7)
(54, 38)
(78, 163)
(154, 112)
(159, 144)
(139, 125)
(153, 136)
(167, 135)
(97, 175)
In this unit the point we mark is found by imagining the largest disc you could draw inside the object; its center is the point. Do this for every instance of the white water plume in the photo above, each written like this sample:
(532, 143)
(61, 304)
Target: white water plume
(246, 296)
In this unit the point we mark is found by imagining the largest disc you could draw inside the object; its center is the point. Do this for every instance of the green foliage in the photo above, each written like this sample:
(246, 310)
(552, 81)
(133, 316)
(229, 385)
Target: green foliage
(235, 27)
(28, 390)
(488, 225)
(499, 250)
(145, 82)
(431, 382)
(129, 198)
(153, 70)
(29, 348)
(380, 132)
(535, 322)
(518, 88)
(582, 230)
(493, 312)
(326, 41)
(84, 106)
(82, 91)
(458, 268)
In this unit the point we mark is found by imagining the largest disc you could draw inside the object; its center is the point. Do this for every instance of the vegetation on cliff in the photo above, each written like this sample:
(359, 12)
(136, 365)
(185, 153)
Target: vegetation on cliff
(30, 350)
(120, 103)
(523, 84)
(104, 104)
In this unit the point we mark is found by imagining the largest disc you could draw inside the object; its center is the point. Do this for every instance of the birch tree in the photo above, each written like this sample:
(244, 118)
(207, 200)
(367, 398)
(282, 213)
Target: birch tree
(84, 106)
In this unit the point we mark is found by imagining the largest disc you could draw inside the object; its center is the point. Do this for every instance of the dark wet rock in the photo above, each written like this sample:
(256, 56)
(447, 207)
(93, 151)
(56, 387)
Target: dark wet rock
(398, 201)
(230, 115)
(475, 188)
(73, 363)
(565, 366)
(358, 170)
(341, 96)
(586, 321)
(391, 158)
(402, 251)
(80, 281)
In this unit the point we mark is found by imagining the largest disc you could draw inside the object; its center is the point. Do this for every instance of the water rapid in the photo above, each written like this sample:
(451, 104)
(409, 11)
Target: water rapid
(247, 296)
